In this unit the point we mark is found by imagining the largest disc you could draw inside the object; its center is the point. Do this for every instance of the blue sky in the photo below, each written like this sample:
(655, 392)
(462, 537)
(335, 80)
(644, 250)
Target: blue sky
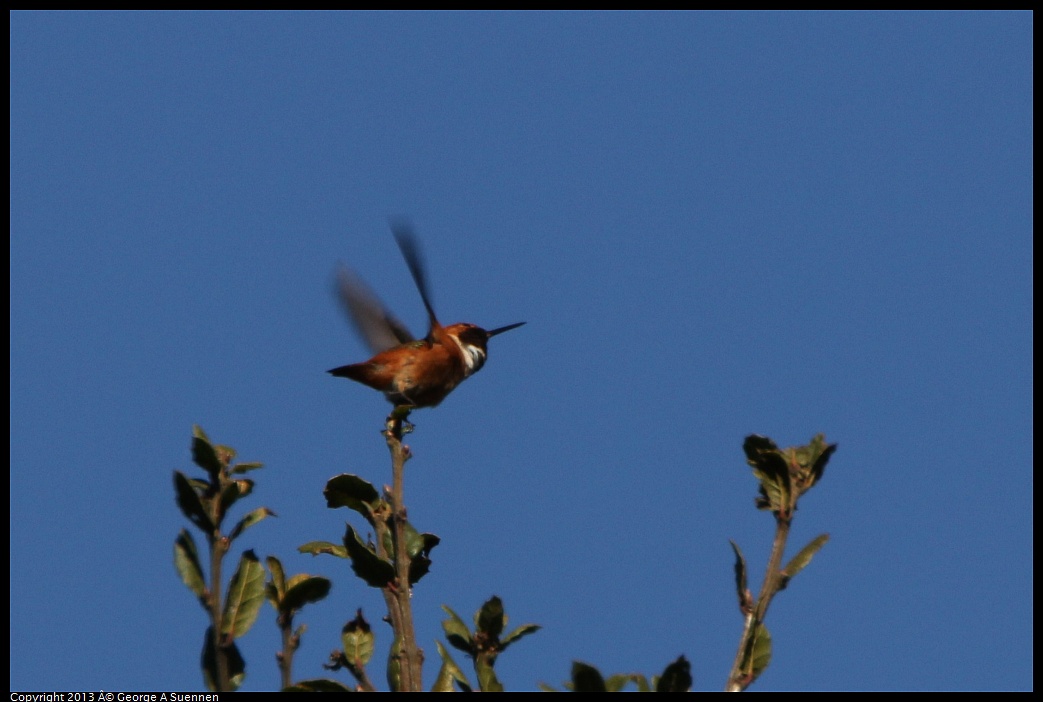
(714, 225)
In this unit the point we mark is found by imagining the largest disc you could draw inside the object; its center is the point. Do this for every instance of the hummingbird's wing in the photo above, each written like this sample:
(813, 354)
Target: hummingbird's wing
(411, 252)
(378, 327)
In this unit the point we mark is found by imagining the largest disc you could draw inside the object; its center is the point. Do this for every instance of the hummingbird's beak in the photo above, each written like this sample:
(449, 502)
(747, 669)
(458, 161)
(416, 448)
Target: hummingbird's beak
(501, 330)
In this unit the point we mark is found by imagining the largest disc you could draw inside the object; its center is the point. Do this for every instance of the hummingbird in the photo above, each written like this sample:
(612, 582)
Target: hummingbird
(411, 372)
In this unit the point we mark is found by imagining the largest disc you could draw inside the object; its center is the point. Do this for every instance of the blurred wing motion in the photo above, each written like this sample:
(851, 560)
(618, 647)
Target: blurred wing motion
(409, 372)
(406, 240)
(375, 324)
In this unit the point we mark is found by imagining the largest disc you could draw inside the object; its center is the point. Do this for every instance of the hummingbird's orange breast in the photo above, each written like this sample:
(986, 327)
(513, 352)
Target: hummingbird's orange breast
(420, 373)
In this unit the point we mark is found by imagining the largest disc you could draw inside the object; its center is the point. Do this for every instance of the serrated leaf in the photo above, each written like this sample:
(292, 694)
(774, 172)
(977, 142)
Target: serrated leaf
(803, 557)
(186, 560)
(208, 662)
(487, 680)
(317, 547)
(587, 678)
(240, 468)
(245, 596)
(249, 520)
(190, 504)
(761, 652)
(677, 677)
(449, 672)
(357, 639)
(456, 632)
(318, 685)
(771, 471)
(352, 492)
(778, 489)
(754, 445)
(490, 619)
(521, 631)
(374, 570)
(309, 588)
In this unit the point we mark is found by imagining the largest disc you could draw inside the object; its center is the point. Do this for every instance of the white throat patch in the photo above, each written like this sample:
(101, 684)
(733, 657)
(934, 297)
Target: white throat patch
(474, 357)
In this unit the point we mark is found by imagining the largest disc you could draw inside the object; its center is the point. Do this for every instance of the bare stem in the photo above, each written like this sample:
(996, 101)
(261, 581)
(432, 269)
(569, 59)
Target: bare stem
(218, 548)
(741, 674)
(398, 597)
(285, 656)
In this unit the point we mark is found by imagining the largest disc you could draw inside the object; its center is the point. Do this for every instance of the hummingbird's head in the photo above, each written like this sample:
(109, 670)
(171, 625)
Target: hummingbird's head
(473, 343)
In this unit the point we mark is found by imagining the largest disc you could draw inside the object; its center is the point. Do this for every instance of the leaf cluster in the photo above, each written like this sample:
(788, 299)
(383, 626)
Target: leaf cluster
(483, 645)
(373, 562)
(785, 474)
(676, 677)
(206, 502)
(393, 556)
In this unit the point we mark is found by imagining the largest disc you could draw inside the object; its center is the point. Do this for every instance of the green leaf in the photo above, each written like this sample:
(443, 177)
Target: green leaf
(203, 453)
(225, 454)
(186, 560)
(490, 619)
(394, 666)
(374, 570)
(245, 596)
(232, 492)
(457, 633)
(208, 662)
(353, 492)
(771, 471)
(303, 589)
(677, 677)
(240, 468)
(318, 685)
(523, 630)
(449, 672)
(822, 452)
(317, 547)
(616, 683)
(249, 520)
(741, 587)
(278, 582)
(761, 653)
(191, 505)
(487, 680)
(642, 683)
(586, 678)
(357, 639)
(418, 546)
(803, 557)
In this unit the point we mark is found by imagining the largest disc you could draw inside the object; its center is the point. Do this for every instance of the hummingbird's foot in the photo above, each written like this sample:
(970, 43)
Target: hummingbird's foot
(401, 413)
(397, 423)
